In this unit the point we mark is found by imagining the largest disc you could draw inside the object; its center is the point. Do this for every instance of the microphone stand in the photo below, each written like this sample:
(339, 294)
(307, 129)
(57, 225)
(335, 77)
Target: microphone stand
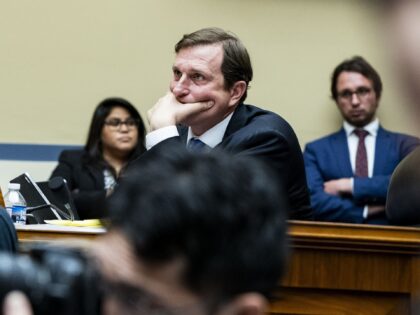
(69, 216)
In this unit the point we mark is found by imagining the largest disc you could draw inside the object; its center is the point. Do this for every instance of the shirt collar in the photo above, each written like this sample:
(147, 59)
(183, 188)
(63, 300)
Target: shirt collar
(372, 128)
(214, 135)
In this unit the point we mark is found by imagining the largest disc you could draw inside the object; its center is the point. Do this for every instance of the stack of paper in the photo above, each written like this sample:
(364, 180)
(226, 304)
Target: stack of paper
(89, 223)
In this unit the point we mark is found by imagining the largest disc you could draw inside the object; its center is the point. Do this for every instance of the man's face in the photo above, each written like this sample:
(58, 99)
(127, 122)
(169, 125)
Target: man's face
(356, 98)
(197, 77)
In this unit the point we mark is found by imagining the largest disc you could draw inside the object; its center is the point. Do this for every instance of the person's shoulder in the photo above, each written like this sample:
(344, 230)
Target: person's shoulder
(256, 111)
(402, 202)
(397, 135)
(72, 155)
(263, 117)
(8, 240)
(325, 140)
(259, 122)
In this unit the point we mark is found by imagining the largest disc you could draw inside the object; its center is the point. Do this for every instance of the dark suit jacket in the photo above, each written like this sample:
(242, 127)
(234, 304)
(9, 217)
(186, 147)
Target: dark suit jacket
(403, 201)
(8, 237)
(328, 158)
(86, 181)
(256, 132)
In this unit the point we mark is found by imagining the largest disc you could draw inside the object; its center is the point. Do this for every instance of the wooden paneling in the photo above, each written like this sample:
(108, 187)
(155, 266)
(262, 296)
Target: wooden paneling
(350, 269)
(327, 302)
(334, 269)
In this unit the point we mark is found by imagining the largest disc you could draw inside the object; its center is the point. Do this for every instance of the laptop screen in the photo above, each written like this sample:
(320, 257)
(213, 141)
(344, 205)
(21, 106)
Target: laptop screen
(60, 197)
(35, 197)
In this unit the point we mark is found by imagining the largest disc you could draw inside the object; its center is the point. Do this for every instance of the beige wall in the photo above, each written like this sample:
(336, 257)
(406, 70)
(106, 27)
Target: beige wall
(60, 58)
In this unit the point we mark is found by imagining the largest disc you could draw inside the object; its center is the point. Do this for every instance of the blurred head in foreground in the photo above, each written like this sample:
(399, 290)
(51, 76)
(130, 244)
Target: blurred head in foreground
(403, 36)
(197, 234)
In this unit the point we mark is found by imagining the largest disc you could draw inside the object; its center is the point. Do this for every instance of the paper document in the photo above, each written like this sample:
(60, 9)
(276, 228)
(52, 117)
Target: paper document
(91, 222)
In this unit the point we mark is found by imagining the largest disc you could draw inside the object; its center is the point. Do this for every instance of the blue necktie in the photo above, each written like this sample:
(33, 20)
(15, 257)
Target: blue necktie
(196, 145)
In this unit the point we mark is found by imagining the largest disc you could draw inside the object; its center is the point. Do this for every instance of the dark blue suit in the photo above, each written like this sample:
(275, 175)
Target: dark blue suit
(8, 236)
(256, 132)
(328, 158)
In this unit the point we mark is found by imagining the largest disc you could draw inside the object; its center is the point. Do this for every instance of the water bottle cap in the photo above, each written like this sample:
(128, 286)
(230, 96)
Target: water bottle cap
(14, 186)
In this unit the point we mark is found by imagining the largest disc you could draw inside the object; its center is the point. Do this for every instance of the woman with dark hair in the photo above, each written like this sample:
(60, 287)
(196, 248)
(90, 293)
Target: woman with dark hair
(116, 137)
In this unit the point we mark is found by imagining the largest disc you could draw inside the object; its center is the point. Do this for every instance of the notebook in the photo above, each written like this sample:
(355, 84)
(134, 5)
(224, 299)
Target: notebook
(40, 196)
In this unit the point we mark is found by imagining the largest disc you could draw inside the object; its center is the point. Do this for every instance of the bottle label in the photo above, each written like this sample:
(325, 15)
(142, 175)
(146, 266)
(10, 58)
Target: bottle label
(9, 211)
(19, 214)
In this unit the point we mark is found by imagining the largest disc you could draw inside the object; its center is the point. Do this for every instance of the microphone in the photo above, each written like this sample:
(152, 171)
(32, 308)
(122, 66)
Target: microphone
(58, 185)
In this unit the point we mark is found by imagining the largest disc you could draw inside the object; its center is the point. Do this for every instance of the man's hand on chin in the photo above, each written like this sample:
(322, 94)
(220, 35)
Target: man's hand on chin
(168, 111)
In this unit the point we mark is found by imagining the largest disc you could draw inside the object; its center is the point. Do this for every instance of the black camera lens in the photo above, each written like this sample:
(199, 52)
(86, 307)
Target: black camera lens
(57, 281)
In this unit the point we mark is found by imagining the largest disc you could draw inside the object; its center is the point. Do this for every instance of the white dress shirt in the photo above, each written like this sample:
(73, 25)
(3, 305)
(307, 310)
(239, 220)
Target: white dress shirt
(370, 143)
(211, 137)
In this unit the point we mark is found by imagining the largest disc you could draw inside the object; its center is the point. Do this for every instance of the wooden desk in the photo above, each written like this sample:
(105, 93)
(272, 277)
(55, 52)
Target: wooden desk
(52, 233)
(350, 269)
(335, 269)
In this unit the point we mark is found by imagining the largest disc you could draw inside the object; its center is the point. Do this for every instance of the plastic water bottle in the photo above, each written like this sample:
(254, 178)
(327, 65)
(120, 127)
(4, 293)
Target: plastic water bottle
(15, 204)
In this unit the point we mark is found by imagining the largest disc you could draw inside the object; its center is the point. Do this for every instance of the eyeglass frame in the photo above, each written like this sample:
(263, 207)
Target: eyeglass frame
(361, 92)
(116, 123)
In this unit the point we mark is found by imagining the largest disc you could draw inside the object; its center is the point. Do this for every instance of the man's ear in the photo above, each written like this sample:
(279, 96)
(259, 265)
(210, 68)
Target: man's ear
(246, 304)
(236, 92)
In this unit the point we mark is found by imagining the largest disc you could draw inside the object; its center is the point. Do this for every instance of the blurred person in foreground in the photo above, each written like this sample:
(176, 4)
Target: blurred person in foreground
(349, 171)
(403, 18)
(204, 109)
(8, 236)
(116, 137)
(403, 36)
(194, 234)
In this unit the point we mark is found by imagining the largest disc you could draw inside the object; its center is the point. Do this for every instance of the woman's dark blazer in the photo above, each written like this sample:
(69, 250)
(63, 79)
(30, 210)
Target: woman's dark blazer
(85, 181)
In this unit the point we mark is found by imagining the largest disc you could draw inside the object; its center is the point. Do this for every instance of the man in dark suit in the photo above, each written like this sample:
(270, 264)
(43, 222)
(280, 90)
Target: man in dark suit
(349, 171)
(211, 75)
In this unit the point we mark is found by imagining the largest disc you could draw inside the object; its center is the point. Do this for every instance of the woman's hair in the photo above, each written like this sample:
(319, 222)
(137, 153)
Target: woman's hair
(93, 147)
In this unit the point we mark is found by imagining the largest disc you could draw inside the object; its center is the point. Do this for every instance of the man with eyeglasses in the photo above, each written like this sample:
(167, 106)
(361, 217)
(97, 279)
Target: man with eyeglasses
(348, 172)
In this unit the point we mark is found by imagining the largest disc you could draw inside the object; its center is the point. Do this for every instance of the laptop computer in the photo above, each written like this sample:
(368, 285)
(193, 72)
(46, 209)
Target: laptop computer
(42, 202)
(58, 193)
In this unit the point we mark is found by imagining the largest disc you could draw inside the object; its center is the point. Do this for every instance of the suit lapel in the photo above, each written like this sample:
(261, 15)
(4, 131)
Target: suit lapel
(341, 152)
(383, 144)
(237, 121)
(183, 133)
(97, 174)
